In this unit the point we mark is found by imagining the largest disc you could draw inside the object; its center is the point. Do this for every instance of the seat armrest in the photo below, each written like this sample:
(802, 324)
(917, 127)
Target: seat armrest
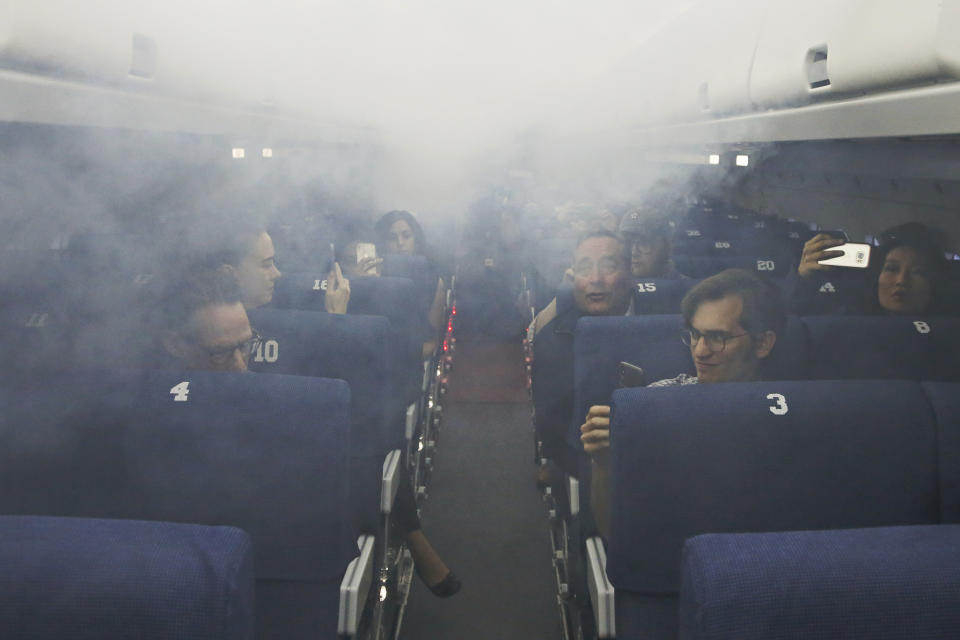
(601, 591)
(355, 587)
(390, 481)
(411, 424)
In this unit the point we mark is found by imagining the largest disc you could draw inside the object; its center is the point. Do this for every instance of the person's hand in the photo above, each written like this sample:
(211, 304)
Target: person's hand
(595, 432)
(338, 291)
(815, 249)
(369, 266)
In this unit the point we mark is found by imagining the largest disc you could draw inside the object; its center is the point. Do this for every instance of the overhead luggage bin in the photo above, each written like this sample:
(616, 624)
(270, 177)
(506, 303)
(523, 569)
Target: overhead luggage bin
(118, 64)
(829, 50)
(840, 69)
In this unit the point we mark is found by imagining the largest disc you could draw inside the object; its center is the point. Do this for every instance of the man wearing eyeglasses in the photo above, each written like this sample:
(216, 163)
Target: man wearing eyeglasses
(206, 325)
(731, 322)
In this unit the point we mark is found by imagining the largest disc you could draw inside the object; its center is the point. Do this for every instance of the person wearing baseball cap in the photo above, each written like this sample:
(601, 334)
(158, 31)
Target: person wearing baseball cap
(647, 234)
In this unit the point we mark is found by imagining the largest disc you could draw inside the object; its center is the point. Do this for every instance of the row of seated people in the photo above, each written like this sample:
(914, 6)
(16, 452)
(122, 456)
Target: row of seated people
(908, 275)
(731, 348)
(699, 244)
(203, 322)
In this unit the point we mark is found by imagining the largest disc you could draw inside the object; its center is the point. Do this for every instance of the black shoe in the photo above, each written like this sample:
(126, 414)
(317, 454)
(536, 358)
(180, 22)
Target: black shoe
(447, 587)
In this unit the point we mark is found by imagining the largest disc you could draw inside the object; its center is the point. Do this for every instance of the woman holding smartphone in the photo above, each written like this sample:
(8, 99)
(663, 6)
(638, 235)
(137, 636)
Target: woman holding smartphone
(906, 275)
(399, 233)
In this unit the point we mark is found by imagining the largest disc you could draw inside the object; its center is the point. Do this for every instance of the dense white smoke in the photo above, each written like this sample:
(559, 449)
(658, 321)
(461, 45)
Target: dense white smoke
(444, 82)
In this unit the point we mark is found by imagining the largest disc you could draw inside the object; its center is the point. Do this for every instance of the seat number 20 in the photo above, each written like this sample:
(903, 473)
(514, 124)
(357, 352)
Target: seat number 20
(780, 406)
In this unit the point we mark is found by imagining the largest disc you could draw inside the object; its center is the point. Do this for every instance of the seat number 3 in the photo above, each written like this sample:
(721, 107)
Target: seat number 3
(780, 408)
(180, 391)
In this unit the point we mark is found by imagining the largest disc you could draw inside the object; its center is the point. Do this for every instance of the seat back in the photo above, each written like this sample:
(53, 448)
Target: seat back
(265, 453)
(653, 343)
(118, 579)
(883, 347)
(771, 265)
(944, 397)
(393, 298)
(770, 456)
(823, 584)
(728, 457)
(326, 345)
(659, 295)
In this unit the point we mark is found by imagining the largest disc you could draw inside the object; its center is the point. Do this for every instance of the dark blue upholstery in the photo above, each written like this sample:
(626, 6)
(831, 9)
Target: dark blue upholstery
(397, 299)
(660, 296)
(944, 397)
(306, 290)
(686, 460)
(418, 269)
(355, 349)
(883, 347)
(653, 343)
(715, 458)
(890, 582)
(105, 579)
(774, 266)
(266, 453)
(351, 348)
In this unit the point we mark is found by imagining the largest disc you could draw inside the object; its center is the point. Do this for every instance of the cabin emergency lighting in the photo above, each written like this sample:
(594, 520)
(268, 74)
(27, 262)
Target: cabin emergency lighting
(267, 152)
(743, 161)
(238, 153)
(713, 158)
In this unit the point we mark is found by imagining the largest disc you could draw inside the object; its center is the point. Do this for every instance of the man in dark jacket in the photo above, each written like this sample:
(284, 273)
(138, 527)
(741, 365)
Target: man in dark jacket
(601, 287)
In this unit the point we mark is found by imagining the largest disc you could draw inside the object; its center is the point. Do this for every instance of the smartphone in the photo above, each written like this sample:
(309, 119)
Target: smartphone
(631, 376)
(854, 255)
(842, 235)
(366, 250)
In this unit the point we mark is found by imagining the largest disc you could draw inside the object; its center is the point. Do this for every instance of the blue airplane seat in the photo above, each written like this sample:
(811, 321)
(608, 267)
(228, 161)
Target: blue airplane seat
(266, 453)
(419, 269)
(33, 336)
(764, 456)
(692, 242)
(116, 579)
(870, 347)
(351, 348)
(896, 583)
(944, 399)
(660, 295)
(394, 298)
(774, 266)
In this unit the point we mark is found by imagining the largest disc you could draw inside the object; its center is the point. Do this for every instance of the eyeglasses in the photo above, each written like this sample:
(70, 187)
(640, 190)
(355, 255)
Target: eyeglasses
(223, 355)
(716, 340)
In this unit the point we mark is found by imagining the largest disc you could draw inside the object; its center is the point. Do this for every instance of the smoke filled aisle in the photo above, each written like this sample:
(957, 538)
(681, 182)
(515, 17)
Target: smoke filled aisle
(484, 513)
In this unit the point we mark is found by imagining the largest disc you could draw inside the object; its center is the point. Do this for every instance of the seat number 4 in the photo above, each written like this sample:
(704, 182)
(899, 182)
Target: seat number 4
(180, 391)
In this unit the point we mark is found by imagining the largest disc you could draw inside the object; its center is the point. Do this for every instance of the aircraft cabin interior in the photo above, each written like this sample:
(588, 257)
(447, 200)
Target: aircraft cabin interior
(244, 397)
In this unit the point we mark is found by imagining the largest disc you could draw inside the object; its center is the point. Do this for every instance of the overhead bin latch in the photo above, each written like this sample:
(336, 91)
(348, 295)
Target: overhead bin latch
(817, 75)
